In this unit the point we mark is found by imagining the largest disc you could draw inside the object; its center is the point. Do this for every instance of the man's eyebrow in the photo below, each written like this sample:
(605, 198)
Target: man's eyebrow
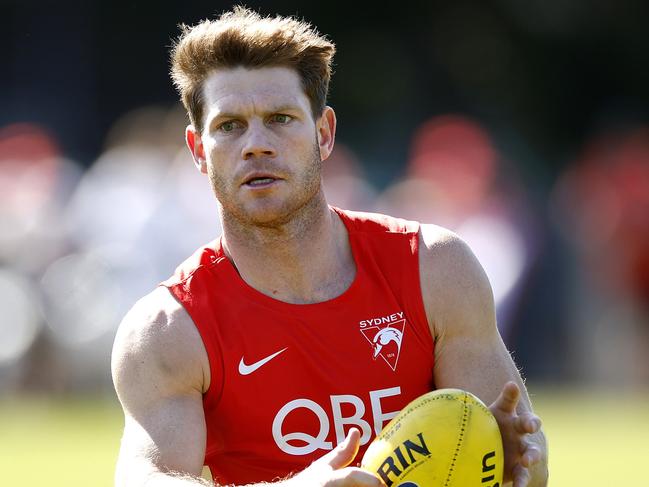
(280, 107)
(235, 114)
(222, 115)
(285, 107)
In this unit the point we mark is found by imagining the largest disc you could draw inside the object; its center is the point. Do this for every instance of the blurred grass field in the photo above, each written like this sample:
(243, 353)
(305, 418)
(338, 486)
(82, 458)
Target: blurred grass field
(596, 439)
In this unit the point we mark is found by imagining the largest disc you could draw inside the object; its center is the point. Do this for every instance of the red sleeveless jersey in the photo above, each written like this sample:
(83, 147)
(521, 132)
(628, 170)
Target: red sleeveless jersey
(289, 380)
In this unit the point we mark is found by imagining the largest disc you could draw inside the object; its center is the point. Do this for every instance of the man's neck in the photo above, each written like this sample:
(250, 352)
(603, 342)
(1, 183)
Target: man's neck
(305, 260)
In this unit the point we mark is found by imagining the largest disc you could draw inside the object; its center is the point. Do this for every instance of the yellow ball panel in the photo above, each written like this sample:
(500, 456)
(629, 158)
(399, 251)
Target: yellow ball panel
(445, 438)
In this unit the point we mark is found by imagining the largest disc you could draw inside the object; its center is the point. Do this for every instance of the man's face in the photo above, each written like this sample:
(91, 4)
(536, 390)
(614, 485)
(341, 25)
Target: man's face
(261, 144)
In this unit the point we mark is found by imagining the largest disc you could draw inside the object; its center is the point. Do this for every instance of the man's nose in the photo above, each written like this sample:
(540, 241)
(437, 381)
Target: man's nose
(258, 143)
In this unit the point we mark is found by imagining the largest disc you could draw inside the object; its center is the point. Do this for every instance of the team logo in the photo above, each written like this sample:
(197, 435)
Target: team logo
(385, 336)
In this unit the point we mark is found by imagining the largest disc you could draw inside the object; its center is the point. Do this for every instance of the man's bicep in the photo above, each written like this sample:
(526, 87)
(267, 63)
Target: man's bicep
(159, 379)
(169, 437)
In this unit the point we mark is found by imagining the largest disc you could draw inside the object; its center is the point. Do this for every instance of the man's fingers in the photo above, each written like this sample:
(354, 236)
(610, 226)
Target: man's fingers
(362, 478)
(508, 398)
(527, 423)
(331, 470)
(521, 476)
(344, 453)
(531, 455)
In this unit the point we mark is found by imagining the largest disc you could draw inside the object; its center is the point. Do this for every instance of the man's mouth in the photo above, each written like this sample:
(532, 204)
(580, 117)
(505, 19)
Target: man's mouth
(260, 181)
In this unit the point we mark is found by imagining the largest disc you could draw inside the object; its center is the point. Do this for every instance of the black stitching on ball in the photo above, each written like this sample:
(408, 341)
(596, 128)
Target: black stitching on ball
(465, 417)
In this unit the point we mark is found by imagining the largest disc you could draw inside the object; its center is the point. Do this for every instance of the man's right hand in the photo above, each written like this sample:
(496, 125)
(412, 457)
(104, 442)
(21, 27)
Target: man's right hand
(332, 470)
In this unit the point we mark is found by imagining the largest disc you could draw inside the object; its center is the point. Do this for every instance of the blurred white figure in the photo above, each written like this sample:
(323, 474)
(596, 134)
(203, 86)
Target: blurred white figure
(139, 210)
(88, 290)
(500, 249)
(117, 195)
(82, 300)
(185, 218)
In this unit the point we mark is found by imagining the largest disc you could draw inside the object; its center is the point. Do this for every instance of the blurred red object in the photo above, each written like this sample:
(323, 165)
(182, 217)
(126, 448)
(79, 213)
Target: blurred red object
(457, 155)
(29, 166)
(603, 205)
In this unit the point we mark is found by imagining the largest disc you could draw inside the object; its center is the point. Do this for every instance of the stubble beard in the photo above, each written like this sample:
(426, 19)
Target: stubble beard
(304, 201)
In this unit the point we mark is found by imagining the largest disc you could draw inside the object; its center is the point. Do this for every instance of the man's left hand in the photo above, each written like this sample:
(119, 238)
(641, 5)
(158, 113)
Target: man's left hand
(520, 448)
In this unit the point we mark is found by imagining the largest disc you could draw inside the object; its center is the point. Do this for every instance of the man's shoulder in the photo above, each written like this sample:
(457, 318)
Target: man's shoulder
(445, 249)
(157, 330)
(205, 255)
(370, 222)
(157, 311)
(447, 261)
(453, 281)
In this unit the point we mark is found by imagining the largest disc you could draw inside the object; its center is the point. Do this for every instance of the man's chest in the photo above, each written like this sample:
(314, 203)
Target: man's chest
(297, 384)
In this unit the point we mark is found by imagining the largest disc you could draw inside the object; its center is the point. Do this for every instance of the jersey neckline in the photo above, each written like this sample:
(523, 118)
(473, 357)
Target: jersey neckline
(256, 295)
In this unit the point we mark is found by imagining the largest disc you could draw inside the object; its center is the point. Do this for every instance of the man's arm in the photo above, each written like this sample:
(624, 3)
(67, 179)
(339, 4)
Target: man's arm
(160, 371)
(470, 354)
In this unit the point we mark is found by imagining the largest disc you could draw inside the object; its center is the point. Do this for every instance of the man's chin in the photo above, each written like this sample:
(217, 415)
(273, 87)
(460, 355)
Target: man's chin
(274, 213)
(265, 215)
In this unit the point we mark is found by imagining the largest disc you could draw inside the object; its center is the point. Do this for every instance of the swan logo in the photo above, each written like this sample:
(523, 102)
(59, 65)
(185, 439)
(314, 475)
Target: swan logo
(385, 335)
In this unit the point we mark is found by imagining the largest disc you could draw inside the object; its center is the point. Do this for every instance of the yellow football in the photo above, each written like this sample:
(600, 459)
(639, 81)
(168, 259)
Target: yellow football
(445, 438)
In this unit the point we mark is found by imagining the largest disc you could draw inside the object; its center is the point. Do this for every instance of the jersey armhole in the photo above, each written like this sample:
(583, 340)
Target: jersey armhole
(212, 395)
(419, 305)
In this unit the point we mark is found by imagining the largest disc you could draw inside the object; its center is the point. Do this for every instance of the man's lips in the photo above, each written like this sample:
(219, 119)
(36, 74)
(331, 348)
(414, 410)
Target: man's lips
(259, 179)
(259, 182)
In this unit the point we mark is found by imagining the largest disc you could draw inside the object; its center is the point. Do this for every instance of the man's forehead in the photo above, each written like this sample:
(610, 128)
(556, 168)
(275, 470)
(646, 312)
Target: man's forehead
(238, 88)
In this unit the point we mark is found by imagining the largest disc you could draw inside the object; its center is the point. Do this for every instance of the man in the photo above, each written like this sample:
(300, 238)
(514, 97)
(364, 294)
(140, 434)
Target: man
(304, 326)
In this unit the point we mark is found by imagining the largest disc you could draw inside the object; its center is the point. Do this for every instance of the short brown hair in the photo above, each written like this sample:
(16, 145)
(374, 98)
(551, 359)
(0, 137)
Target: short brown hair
(242, 37)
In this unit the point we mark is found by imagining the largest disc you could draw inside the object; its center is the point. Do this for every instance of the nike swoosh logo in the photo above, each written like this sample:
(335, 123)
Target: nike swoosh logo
(249, 369)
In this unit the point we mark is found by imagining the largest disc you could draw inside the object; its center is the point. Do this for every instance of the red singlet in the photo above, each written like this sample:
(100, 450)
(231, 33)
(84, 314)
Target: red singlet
(289, 380)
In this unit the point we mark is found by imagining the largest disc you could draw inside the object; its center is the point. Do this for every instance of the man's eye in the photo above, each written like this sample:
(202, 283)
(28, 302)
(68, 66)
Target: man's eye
(228, 126)
(281, 118)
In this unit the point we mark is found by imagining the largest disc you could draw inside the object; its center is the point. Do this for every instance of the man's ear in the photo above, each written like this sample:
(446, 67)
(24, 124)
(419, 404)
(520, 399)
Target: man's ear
(326, 132)
(195, 144)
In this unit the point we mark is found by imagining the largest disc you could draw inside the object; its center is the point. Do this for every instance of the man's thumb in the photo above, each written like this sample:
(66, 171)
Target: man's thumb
(344, 453)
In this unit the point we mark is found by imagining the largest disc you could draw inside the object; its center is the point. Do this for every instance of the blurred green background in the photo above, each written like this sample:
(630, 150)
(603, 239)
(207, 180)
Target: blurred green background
(522, 126)
(596, 438)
